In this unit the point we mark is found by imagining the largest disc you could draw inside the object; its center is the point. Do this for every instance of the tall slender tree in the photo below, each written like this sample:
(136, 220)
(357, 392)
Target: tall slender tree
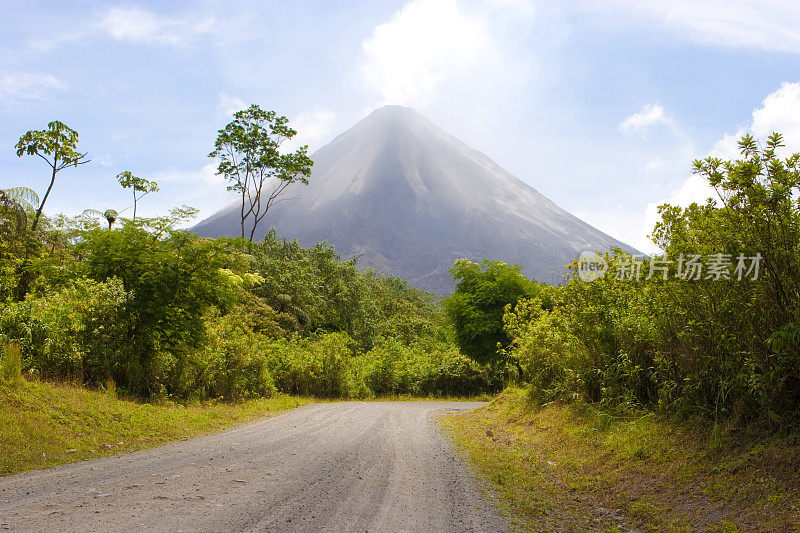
(139, 186)
(248, 150)
(57, 146)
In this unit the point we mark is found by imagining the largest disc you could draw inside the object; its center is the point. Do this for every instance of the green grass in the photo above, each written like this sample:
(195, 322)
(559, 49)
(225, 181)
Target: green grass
(44, 424)
(573, 467)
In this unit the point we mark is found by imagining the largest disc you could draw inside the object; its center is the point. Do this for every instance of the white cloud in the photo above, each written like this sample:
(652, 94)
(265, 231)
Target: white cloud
(28, 86)
(205, 176)
(227, 105)
(426, 41)
(103, 159)
(522, 8)
(650, 115)
(312, 128)
(141, 26)
(657, 163)
(779, 112)
(767, 24)
(442, 55)
(620, 223)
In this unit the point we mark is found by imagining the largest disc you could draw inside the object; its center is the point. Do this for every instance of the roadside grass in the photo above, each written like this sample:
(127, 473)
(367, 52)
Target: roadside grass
(46, 424)
(574, 467)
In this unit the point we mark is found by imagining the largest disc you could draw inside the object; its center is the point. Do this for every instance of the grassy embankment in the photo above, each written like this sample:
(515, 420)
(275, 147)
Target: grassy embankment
(572, 467)
(44, 424)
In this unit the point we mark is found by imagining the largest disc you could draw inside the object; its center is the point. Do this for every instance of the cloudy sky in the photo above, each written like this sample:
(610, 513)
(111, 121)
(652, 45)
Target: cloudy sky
(600, 105)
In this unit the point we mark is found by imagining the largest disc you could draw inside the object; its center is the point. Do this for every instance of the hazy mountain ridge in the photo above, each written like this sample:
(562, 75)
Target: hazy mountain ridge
(410, 199)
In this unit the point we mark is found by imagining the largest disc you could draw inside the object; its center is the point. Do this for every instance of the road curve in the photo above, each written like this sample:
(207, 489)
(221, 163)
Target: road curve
(352, 466)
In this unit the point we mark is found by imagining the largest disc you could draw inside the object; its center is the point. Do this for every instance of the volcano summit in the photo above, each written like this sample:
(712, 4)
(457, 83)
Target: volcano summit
(410, 199)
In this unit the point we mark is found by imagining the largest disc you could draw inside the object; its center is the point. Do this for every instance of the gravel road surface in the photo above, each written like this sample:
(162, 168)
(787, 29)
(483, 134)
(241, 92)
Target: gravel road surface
(353, 466)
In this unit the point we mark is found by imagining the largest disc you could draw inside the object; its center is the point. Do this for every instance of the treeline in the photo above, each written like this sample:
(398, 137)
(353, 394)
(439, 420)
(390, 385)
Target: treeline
(710, 328)
(139, 306)
(157, 311)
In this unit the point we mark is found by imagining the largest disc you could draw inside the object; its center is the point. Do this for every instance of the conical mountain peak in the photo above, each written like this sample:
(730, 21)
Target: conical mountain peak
(410, 199)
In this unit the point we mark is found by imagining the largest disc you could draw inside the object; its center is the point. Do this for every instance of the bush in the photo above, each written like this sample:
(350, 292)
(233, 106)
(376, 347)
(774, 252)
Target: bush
(725, 348)
(171, 279)
(231, 364)
(320, 366)
(439, 369)
(75, 333)
(476, 308)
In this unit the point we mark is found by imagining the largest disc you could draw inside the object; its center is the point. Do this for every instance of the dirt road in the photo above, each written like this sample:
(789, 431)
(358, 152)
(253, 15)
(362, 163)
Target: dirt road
(354, 466)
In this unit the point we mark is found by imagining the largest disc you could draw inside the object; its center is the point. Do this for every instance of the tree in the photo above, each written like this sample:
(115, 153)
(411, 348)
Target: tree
(109, 214)
(249, 155)
(137, 185)
(57, 146)
(477, 306)
(170, 279)
(17, 202)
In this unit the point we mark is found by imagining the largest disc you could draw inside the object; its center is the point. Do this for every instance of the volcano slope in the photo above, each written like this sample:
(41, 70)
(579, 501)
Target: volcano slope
(410, 199)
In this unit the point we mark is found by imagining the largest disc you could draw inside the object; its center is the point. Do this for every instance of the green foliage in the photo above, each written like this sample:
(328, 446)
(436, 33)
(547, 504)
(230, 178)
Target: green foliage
(110, 215)
(17, 208)
(57, 146)
(594, 339)
(394, 367)
(160, 312)
(10, 361)
(726, 348)
(138, 186)
(313, 289)
(170, 279)
(230, 364)
(16, 204)
(319, 366)
(476, 307)
(248, 150)
(74, 333)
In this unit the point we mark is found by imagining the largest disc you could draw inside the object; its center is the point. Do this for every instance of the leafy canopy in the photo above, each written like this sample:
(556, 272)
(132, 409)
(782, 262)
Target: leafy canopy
(248, 150)
(58, 147)
(170, 281)
(139, 187)
(476, 307)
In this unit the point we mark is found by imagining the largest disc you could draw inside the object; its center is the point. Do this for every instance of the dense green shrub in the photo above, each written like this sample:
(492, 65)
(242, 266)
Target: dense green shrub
(231, 363)
(313, 289)
(435, 368)
(728, 348)
(321, 366)
(476, 307)
(171, 278)
(74, 333)
(158, 312)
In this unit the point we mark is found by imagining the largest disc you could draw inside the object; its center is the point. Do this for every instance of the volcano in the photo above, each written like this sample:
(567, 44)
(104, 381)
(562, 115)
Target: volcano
(409, 199)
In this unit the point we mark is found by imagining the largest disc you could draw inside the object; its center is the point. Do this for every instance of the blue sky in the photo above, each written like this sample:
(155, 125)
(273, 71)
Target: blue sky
(599, 105)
